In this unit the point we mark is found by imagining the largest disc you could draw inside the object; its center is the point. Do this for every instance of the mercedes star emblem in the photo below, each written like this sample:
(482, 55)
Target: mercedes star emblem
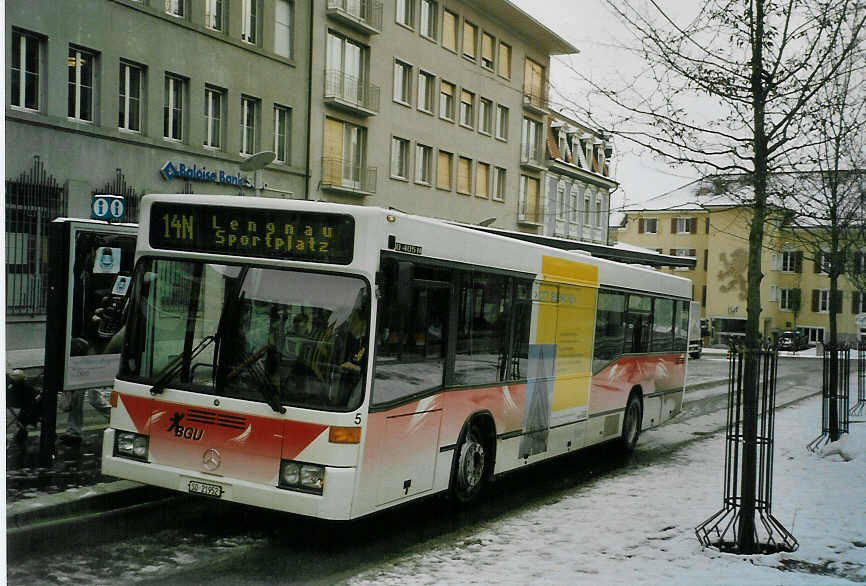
(211, 459)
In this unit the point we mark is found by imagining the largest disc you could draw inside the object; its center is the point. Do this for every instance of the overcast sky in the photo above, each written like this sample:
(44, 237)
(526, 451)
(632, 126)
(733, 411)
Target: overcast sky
(589, 26)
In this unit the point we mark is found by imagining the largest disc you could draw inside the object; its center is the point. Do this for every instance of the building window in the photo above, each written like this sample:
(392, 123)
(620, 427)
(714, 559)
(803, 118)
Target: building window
(815, 334)
(529, 209)
(426, 89)
(858, 302)
(282, 132)
(487, 50)
(172, 119)
(249, 125)
(531, 146)
(573, 216)
(423, 164)
(648, 226)
(345, 149)
(598, 213)
(787, 299)
(402, 82)
(446, 101)
(443, 170)
(482, 180)
(504, 60)
(821, 300)
(684, 225)
(822, 262)
(250, 21)
(399, 158)
(498, 190)
(24, 66)
(560, 202)
(792, 261)
(470, 39)
(213, 14)
(485, 115)
(429, 14)
(80, 100)
(129, 104)
(405, 14)
(686, 252)
(501, 122)
(464, 175)
(283, 28)
(346, 73)
(586, 210)
(467, 109)
(175, 8)
(533, 83)
(449, 30)
(213, 117)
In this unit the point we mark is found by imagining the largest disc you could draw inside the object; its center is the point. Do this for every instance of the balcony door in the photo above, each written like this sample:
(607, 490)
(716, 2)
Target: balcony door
(346, 73)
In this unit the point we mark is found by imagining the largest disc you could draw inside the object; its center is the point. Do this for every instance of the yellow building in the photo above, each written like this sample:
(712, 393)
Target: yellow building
(695, 221)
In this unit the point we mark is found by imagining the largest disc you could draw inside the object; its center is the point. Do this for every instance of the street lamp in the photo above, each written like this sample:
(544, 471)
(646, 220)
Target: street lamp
(256, 163)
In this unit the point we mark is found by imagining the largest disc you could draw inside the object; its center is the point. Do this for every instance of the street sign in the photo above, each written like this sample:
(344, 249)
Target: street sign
(111, 208)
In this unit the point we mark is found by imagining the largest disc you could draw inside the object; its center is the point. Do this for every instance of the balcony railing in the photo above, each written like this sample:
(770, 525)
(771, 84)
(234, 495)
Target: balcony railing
(350, 92)
(536, 100)
(344, 177)
(363, 15)
(532, 158)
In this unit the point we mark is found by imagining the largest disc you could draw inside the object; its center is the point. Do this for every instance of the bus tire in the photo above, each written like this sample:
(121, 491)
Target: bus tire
(631, 422)
(472, 460)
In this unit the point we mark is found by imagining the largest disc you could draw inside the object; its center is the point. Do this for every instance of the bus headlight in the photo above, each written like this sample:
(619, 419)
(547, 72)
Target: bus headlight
(130, 445)
(302, 477)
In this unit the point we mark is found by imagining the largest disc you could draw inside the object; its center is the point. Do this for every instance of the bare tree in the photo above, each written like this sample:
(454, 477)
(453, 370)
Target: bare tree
(760, 64)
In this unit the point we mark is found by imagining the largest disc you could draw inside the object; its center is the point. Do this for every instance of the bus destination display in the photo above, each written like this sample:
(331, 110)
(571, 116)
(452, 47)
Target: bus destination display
(283, 234)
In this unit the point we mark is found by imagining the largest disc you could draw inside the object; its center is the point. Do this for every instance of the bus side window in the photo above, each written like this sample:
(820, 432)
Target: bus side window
(411, 340)
(663, 324)
(681, 331)
(609, 329)
(482, 341)
(638, 318)
(521, 321)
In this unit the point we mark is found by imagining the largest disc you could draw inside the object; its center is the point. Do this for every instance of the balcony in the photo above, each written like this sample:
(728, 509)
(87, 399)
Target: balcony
(350, 93)
(532, 160)
(535, 101)
(362, 15)
(340, 176)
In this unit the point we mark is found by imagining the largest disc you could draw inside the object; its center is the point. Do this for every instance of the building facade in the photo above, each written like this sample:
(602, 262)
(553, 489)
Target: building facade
(434, 107)
(694, 221)
(578, 181)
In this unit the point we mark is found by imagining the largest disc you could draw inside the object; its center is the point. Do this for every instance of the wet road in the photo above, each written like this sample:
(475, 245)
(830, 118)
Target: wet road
(220, 543)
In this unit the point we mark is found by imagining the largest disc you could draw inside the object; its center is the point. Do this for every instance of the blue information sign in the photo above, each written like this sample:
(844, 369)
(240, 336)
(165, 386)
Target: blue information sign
(107, 207)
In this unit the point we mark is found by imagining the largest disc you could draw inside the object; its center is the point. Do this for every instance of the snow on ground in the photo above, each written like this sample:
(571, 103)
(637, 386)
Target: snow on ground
(638, 527)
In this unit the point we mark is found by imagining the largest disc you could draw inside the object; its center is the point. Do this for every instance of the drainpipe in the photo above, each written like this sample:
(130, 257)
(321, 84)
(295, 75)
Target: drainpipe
(312, 6)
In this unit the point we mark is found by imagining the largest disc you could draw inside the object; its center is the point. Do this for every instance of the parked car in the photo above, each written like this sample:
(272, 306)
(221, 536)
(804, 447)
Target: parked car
(793, 340)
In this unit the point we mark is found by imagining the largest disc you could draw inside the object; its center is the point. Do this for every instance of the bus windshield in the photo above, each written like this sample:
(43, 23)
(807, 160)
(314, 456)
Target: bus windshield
(283, 337)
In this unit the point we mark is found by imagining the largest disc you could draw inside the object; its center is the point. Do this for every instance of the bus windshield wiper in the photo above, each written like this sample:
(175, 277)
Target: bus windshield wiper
(265, 387)
(171, 369)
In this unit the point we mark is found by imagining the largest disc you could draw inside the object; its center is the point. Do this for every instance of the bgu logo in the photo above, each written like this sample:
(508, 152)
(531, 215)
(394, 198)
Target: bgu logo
(193, 433)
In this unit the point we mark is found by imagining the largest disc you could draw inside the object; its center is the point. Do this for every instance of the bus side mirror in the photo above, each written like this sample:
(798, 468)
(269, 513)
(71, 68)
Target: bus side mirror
(405, 272)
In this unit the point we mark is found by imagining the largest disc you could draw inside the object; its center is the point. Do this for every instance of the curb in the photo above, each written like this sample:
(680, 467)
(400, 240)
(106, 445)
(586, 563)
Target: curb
(707, 384)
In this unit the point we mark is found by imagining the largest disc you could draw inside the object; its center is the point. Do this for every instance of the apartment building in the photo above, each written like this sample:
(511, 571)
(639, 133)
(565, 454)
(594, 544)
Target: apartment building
(713, 228)
(578, 181)
(425, 106)
(420, 105)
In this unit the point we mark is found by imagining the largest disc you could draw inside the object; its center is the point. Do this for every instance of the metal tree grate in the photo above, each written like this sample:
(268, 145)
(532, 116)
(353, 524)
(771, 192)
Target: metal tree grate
(859, 408)
(834, 395)
(723, 530)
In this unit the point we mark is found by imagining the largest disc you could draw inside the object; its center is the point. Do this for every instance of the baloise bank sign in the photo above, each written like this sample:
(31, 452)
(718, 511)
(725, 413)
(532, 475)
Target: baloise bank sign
(195, 173)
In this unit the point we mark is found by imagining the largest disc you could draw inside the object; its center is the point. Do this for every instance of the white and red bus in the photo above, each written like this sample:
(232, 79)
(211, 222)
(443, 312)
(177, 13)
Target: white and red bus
(333, 361)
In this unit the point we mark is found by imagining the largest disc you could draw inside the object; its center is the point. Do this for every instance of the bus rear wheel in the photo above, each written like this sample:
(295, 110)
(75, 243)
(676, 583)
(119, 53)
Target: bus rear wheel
(470, 471)
(631, 423)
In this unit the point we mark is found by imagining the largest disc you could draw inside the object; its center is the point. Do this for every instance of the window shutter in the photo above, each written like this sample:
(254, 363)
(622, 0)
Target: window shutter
(795, 300)
(818, 258)
(707, 224)
(641, 225)
(858, 263)
(693, 225)
(704, 296)
(815, 296)
(855, 302)
(673, 225)
(706, 259)
(798, 261)
(693, 252)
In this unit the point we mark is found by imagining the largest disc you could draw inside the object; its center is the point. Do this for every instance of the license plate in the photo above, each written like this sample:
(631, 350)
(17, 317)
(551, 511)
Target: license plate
(212, 490)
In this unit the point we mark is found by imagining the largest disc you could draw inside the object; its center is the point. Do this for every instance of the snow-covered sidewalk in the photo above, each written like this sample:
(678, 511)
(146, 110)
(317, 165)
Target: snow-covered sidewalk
(638, 527)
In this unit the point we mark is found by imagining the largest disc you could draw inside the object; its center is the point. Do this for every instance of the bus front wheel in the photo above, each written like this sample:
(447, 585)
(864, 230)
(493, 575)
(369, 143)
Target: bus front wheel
(470, 471)
(631, 423)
